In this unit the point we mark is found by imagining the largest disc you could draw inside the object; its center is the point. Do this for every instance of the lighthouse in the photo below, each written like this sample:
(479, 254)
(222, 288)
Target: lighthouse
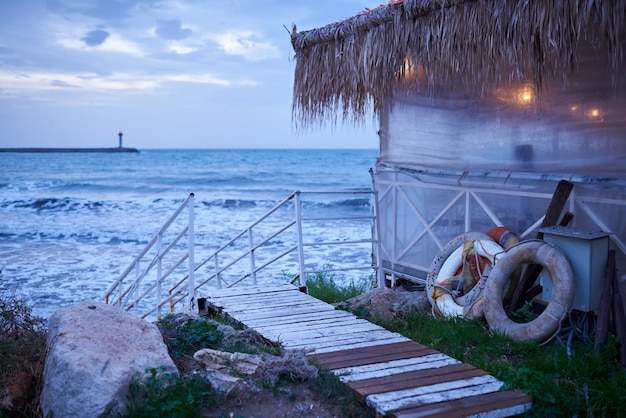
(120, 135)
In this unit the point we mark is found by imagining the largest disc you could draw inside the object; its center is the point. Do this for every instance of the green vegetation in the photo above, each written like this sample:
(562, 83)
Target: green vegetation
(22, 354)
(325, 287)
(159, 394)
(186, 336)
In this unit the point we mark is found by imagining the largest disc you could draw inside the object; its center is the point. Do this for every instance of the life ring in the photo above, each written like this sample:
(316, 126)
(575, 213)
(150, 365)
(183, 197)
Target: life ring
(503, 236)
(507, 238)
(561, 276)
(445, 267)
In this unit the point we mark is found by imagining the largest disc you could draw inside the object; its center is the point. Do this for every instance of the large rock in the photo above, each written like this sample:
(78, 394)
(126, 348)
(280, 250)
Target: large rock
(94, 351)
(386, 303)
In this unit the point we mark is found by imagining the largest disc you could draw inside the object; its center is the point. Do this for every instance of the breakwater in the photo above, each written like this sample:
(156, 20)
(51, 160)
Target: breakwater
(68, 150)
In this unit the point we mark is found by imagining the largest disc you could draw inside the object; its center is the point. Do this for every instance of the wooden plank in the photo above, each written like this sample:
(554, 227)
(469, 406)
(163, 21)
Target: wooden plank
(361, 334)
(498, 404)
(383, 403)
(270, 307)
(328, 346)
(263, 298)
(316, 332)
(432, 361)
(344, 341)
(321, 324)
(241, 317)
(243, 307)
(346, 358)
(372, 358)
(319, 336)
(304, 318)
(387, 340)
(413, 375)
(249, 290)
(338, 354)
(393, 383)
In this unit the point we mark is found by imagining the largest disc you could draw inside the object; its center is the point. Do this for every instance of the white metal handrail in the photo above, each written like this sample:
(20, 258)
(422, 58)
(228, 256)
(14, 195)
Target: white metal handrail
(223, 266)
(129, 297)
(220, 267)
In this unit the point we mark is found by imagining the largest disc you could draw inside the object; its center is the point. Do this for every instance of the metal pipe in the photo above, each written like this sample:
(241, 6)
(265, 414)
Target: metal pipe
(159, 274)
(251, 252)
(191, 244)
(150, 244)
(299, 239)
(380, 274)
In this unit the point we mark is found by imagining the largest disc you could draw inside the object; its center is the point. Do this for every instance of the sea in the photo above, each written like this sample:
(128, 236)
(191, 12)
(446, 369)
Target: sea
(71, 223)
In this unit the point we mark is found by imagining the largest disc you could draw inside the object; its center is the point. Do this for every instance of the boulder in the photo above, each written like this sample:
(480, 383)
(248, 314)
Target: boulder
(223, 382)
(248, 364)
(94, 352)
(220, 364)
(387, 303)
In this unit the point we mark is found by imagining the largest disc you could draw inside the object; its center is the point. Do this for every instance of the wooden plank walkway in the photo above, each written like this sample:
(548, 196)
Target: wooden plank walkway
(392, 374)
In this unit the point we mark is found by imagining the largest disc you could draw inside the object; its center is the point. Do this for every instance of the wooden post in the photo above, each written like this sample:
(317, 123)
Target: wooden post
(606, 302)
(618, 317)
(556, 206)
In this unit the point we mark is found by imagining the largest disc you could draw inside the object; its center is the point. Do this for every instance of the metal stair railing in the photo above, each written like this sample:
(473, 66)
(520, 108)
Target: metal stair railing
(218, 265)
(284, 226)
(129, 297)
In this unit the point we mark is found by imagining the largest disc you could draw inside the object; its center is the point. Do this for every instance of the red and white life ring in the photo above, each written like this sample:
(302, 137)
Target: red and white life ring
(503, 236)
(561, 276)
(445, 267)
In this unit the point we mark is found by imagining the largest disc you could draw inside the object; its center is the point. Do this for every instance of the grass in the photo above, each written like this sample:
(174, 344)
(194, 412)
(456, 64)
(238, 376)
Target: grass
(325, 287)
(158, 394)
(182, 337)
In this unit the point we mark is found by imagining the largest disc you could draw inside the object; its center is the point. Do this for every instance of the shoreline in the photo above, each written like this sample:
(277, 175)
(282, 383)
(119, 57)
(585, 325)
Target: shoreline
(70, 150)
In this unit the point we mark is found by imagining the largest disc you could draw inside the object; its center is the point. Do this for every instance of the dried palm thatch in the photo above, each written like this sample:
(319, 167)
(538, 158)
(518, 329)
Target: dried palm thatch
(346, 69)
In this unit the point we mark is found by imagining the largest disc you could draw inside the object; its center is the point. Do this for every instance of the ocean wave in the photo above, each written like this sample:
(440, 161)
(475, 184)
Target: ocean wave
(345, 204)
(65, 204)
(235, 203)
(97, 237)
(75, 204)
(334, 205)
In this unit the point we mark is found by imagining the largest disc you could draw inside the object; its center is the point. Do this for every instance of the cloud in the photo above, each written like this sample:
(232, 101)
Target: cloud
(111, 11)
(172, 30)
(61, 83)
(114, 44)
(180, 49)
(246, 44)
(44, 81)
(95, 37)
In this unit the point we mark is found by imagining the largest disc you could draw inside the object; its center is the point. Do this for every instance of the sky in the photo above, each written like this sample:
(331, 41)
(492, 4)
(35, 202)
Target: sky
(166, 73)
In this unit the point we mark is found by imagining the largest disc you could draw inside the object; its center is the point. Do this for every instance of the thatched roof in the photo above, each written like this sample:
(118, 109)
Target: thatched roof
(347, 69)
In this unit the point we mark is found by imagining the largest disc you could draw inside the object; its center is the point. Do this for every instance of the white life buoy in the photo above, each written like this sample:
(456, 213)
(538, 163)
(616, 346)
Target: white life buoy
(561, 276)
(444, 269)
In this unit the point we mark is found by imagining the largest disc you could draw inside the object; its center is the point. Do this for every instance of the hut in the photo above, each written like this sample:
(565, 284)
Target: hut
(484, 107)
